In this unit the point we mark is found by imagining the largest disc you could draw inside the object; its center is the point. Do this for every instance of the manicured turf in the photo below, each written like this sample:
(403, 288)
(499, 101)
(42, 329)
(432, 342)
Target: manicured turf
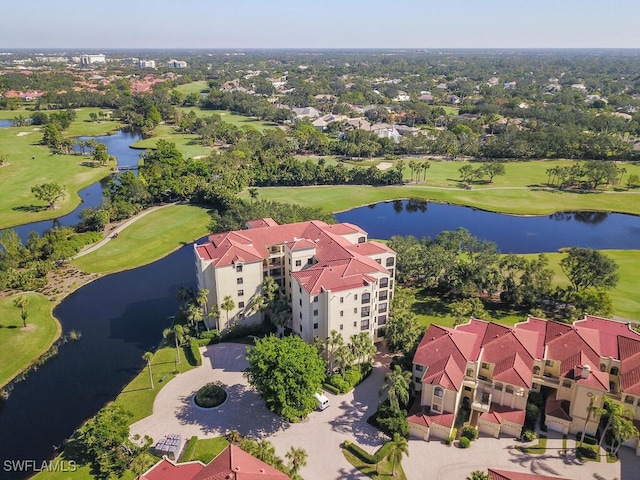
(187, 144)
(18, 348)
(209, 448)
(378, 472)
(514, 200)
(193, 87)
(229, 117)
(148, 239)
(31, 163)
(137, 397)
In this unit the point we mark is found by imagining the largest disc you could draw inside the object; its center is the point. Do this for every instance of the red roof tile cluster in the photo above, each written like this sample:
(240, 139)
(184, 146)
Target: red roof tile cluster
(339, 265)
(428, 417)
(495, 474)
(165, 469)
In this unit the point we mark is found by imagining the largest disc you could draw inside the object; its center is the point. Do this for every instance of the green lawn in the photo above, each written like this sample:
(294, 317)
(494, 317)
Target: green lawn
(519, 201)
(193, 87)
(187, 144)
(20, 348)
(148, 239)
(229, 117)
(31, 163)
(537, 449)
(377, 472)
(137, 397)
(207, 449)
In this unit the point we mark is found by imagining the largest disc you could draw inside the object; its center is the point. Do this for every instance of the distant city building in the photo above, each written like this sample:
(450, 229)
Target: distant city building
(90, 59)
(176, 64)
(147, 64)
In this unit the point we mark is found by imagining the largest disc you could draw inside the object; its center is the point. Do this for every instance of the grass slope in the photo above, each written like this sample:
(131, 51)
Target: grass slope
(18, 348)
(193, 87)
(187, 144)
(148, 239)
(31, 163)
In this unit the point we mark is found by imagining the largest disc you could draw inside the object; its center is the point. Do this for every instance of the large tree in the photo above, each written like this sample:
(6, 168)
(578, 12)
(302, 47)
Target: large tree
(399, 447)
(396, 388)
(287, 372)
(48, 192)
(586, 267)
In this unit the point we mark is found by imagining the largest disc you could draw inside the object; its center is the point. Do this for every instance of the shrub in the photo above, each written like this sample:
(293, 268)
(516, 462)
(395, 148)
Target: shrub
(391, 425)
(338, 382)
(470, 432)
(193, 353)
(331, 388)
(587, 451)
(239, 331)
(529, 436)
(452, 437)
(464, 442)
(211, 395)
(208, 338)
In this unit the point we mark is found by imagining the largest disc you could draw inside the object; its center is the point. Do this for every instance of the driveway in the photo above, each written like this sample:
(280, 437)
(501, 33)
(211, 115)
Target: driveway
(320, 434)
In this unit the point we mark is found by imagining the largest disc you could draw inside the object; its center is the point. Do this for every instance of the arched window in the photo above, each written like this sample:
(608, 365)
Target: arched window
(536, 370)
(438, 392)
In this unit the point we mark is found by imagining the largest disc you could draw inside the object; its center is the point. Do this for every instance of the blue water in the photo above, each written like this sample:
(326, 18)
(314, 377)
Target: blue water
(514, 234)
(6, 123)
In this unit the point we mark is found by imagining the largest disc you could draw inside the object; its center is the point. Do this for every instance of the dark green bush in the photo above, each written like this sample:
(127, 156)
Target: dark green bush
(470, 432)
(464, 442)
(208, 338)
(529, 436)
(587, 451)
(211, 395)
(193, 353)
(331, 388)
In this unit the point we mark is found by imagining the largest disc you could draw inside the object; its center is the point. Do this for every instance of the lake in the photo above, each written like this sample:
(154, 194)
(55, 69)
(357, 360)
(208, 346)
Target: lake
(512, 234)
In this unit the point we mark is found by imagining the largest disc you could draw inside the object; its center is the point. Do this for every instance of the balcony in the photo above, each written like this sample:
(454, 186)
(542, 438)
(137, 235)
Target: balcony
(481, 401)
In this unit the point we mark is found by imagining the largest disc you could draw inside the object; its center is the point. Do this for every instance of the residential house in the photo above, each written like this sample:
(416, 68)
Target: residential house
(323, 122)
(333, 276)
(490, 369)
(306, 112)
(359, 123)
(495, 474)
(426, 97)
(384, 130)
(232, 463)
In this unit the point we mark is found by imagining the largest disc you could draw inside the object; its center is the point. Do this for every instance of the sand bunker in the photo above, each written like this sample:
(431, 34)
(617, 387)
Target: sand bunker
(384, 166)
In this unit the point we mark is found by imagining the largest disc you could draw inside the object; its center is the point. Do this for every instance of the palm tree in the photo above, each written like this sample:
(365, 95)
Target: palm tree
(396, 387)
(227, 305)
(344, 357)
(399, 447)
(334, 342)
(178, 336)
(195, 315)
(613, 410)
(21, 303)
(201, 299)
(148, 356)
(425, 167)
(363, 347)
(478, 475)
(253, 193)
(592, 411)
(297, 458)
(265, 451)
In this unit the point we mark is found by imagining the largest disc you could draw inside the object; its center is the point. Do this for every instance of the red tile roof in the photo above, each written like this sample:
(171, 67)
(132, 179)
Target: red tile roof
(167, 470)
(429, 417)
(234, 463)
(495, 474)
(509, 414)
(608, 332)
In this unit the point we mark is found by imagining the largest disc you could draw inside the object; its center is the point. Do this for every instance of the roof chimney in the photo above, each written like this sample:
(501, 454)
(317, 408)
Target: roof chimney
(586, 371)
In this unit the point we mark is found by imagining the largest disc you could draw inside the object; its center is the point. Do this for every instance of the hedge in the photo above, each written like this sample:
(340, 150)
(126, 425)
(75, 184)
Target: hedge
(193, 353)
(470, 432)
(464, 442)
(208, 338)
(352, 377)
(331, 388)
(359, 452)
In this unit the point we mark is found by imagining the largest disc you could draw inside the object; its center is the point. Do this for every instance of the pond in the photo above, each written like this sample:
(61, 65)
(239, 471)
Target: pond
(119, 317)
(515, 234)
(118, 145)
(6, 123)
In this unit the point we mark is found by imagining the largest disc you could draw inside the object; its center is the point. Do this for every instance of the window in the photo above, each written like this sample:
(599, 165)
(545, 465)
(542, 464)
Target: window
(390, 262)
(364, 312)
(614, 370)
(315, 312)
(383, 295)
(300, 327)
(309, 260)
(299, 289)
(566, 384)
(603, 367)
(419, 368)
(366, 297)
(438, 392)
(612, 386)
(298, 263)
(342, 313)
(315, 299)
(364, 324)
(300, 301)
(241, 293)
(384, 282)
(548, 363)
(509, 389)
(382, 319)
(341, 299)
(361, 239)
(435, 408)
(378, 260)
(239, 267)
(315, 326)
(300, 313)
(536, 370)
(382, 308)
(240, 304)
(469, 372)
(276, 272)
(391, 272)
(485, 365)
(355, 297)
(355, 324)
(355, 310)
(417, 380)
(341, 326)
(467, 389)
(239, 280)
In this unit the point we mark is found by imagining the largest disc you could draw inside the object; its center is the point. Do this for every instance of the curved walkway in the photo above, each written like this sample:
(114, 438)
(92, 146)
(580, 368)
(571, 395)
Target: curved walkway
(320, 434)
(119, 228)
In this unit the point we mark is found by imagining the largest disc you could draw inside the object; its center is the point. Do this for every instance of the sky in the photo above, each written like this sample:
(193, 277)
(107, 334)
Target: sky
(224, 24)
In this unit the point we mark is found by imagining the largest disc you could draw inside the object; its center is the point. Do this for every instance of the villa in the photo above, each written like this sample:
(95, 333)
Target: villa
(490, 369)
(334, 278)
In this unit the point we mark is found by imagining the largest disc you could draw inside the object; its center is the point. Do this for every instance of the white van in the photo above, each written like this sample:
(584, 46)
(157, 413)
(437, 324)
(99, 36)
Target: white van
(323, 402)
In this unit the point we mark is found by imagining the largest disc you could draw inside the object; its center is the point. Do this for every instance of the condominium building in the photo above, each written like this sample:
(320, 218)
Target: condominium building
(176, 64)
(489, 370)
(333, 276)
(90, 59)
(146, 64)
